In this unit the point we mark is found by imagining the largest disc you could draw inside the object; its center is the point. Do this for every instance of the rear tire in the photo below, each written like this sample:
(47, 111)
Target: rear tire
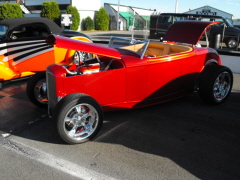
(78, 118)
(37, 89)
(215, 84)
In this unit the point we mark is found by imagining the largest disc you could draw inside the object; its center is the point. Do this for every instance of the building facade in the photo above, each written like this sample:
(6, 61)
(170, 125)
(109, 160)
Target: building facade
(128, 17)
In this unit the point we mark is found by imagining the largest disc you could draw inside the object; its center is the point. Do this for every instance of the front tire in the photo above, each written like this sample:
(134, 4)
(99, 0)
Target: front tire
(215, 84)
(37, 89)
(78, 118)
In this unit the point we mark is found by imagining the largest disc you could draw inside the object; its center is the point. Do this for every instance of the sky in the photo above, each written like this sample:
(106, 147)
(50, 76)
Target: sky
(168, 6)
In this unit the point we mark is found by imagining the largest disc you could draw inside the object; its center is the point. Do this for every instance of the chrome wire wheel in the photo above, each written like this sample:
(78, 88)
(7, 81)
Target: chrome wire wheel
(79, 57)
(81, 121)
(222, 86)
(40, 91)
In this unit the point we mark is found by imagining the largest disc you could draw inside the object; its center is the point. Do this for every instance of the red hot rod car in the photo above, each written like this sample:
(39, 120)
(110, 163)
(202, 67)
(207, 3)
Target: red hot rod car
(131, 74)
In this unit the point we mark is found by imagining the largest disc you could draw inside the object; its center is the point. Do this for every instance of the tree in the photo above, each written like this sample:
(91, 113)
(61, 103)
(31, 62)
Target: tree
(75, 17)
(88, 23)
(10, 10)
(102, 19)
(50, 10)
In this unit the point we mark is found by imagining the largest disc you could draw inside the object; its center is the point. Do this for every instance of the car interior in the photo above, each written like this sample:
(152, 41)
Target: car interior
(158, 49)
(94, 65)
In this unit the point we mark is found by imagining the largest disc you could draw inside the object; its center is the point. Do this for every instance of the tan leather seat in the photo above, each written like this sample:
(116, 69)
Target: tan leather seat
(166, 50)
(154, 51)
(155, 48)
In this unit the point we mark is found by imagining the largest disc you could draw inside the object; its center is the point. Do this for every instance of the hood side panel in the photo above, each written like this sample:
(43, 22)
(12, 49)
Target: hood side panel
(77, 45)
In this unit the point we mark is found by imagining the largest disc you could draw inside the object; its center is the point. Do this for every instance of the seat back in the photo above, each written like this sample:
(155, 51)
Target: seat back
(155, 48)
(176, 49)
(158, 49)
(166, 50)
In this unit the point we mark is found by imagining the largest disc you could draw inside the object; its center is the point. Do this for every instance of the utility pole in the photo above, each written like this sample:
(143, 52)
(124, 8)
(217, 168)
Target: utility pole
(176, 6)
(118, 15)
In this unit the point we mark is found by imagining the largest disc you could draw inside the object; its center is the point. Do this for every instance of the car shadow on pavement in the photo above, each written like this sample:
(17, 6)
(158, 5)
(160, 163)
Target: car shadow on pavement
(202, 139)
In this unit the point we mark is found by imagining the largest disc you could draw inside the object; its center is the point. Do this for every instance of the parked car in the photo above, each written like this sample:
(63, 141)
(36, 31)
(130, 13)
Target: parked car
(23, 50)
(225, 28)
(131, 74)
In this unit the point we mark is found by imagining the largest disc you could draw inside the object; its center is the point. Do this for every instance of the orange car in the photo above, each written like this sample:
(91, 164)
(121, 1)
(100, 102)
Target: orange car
(23, 50)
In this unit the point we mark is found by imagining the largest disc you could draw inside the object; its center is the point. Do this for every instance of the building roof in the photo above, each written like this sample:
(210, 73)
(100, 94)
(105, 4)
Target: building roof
(130, 7)
(210, 7)
(194, 15)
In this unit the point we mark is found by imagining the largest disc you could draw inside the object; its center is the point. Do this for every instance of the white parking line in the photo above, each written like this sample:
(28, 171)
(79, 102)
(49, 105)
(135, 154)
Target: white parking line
(53, 161)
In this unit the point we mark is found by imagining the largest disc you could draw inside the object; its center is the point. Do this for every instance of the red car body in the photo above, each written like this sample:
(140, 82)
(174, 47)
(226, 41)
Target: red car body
(139, 83)
(133, 76)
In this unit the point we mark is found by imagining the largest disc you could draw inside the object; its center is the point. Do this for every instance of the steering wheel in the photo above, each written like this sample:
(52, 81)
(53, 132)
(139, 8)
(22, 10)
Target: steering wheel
(151, 53)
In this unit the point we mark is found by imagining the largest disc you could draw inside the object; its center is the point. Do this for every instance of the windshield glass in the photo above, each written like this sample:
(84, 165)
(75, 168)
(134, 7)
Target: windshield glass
(3, 30)
(136, 46)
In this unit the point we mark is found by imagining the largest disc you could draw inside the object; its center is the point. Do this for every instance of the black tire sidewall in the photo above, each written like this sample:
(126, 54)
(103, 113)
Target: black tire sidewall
(206, 83)
(65, 105)
(31, 86)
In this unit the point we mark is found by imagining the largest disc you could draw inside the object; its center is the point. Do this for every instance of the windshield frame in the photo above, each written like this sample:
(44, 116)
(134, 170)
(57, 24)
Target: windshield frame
(229, 24)
(136, 46)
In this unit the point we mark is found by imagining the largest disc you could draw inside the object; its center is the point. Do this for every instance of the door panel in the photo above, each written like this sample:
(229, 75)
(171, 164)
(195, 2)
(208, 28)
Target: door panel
(163, 77)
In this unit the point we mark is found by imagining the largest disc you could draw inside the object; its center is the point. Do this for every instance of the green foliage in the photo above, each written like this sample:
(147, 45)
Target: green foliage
(102, 19)
(88, 23)
(75, 17)
(50, 10)
(10, 10)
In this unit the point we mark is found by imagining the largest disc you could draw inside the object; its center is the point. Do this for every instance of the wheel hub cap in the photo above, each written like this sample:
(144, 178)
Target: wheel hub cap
(81, 121)
(222, 86)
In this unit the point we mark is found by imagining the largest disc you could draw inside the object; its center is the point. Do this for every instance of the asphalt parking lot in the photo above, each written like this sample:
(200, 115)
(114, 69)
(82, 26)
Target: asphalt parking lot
(184, 139)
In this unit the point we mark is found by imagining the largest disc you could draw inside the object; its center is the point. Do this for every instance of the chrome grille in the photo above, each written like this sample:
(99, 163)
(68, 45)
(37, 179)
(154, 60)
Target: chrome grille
(51, 91)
